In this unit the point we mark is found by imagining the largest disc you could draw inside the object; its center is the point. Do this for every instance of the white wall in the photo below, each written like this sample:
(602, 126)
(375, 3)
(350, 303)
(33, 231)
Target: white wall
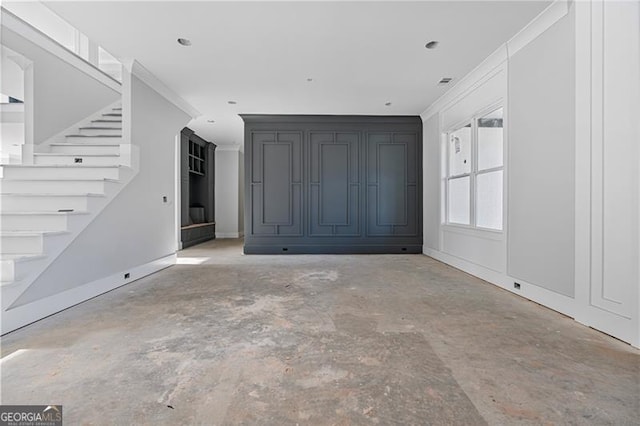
(62, 94)
(432, 182)
(228, 195)
(241, 193)
(137, 227)
(542, 160)
(572, 183)
(11, 76)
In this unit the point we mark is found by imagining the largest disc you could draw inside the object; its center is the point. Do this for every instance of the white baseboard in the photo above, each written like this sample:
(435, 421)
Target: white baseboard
(22, 315)
(222, 235)
(556, 301)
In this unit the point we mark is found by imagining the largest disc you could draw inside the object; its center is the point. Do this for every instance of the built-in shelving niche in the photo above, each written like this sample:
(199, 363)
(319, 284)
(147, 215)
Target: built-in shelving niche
(197, 189)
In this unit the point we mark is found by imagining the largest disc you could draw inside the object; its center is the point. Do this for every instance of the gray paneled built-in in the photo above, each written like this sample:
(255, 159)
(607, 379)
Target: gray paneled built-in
(333, 184)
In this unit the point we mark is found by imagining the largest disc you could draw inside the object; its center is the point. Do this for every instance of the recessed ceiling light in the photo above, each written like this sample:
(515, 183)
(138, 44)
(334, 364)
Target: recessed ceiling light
(432, 44)
(309, 79)
(387, 104)
(444, 80)
(231, 102)
(184, 41)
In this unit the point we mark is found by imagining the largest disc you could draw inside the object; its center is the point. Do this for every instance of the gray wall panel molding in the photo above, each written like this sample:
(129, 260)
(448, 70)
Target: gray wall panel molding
(357, 120)
(333, 184)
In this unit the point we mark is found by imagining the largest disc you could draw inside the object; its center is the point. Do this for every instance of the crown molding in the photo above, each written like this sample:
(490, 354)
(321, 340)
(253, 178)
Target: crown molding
(538, 25)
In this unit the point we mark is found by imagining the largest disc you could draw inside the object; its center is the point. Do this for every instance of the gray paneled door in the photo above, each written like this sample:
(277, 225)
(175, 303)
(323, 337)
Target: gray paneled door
(328, 184)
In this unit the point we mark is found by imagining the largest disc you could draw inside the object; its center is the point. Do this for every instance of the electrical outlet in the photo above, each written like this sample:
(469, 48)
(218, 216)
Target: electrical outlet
(516, 286)
(126, 276)
(164, 198)
(77, 160)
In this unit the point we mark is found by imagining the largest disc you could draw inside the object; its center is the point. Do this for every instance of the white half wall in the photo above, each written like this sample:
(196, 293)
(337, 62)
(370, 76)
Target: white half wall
(229, 171)
(62, 94)
(137, 228)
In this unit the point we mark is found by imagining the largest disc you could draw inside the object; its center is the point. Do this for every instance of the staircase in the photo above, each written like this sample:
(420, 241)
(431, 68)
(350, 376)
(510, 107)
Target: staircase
(45, 205)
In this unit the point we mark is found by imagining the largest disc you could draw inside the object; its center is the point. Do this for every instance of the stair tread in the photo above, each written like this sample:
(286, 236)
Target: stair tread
(21, 257)
(7, 233)
(62, 154)
(9, 284)
(77, 166)
(100, 128)
(106, 121)
(61, 179)
(94, 136)
(112, 114)
(43, 212)
(48, 194)
(83, 144)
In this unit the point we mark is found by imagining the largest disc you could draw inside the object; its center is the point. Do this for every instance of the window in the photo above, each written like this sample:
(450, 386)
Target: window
(475, 172)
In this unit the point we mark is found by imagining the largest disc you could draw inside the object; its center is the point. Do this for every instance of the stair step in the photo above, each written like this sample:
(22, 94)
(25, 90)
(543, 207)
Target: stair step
(100, 131)
(46, 202)
(76, 171)
(53, 158)
(117, 109)
(107, 123)
(96, 138)
(16, 242)
(15, 267)
(86, 148)
(100, 128)
(37, 220)
(55, 186)
(112, 114)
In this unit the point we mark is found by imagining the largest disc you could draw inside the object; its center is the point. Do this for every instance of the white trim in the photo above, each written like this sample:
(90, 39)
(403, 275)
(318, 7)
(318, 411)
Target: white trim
(20, 316)
(582, 142)
(135, 68)
(541, 23)
(23, 29)
(474, 172)
(177, 205)
(487, 68)
(224, 235)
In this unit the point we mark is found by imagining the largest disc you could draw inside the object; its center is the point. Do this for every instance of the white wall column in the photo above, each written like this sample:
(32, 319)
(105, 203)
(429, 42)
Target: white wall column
(607, 167)
(228, 192)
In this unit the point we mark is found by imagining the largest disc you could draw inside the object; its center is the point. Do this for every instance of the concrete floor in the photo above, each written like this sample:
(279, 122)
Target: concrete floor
(319, 340)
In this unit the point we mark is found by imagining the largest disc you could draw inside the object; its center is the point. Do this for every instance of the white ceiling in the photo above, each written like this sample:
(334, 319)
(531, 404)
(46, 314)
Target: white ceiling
(360, 55)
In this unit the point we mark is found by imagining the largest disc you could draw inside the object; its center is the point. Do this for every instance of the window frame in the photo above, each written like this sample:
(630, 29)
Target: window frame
(473, 170)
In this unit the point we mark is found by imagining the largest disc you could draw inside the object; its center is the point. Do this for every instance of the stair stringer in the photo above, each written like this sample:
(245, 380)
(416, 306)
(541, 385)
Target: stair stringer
(10, 292)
